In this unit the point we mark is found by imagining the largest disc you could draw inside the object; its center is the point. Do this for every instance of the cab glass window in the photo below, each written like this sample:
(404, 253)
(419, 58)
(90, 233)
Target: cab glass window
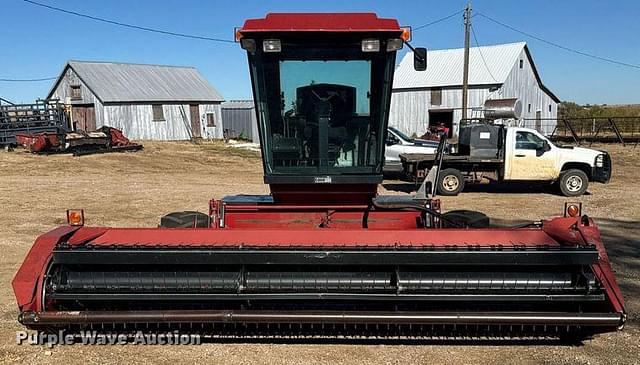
(528, 141)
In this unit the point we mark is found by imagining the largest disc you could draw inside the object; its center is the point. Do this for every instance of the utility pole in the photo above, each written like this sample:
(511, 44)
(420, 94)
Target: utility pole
(465, 75)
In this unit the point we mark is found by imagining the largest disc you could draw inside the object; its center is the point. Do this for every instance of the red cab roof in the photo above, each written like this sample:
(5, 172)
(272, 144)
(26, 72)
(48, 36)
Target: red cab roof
(320, 22)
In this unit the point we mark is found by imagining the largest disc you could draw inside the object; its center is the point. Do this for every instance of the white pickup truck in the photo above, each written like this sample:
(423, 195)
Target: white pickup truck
(398, 143)
(496, 153)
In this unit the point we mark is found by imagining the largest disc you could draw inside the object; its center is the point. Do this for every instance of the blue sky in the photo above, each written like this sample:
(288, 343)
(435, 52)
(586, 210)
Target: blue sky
(36, 42)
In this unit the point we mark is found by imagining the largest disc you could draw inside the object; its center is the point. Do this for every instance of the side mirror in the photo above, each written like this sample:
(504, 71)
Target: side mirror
(546, 146)
(420, 59)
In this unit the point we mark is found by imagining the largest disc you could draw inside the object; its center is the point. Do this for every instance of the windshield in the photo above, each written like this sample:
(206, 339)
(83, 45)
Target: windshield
(319, 112)
(401, 135)
(324, 122)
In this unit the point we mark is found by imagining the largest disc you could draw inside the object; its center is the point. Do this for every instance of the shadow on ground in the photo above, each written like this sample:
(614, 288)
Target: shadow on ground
(493, 188)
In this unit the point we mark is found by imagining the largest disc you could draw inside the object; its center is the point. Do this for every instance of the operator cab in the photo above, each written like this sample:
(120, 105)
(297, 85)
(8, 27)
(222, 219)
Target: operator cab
(322, 95)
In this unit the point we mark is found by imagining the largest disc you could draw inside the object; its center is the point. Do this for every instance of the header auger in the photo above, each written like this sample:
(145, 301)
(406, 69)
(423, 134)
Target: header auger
(323, 255)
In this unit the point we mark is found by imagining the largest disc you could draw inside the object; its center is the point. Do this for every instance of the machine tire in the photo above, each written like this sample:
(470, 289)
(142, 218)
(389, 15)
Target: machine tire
(188, 219)
(450, 182)
(573, 182)
(467, 218)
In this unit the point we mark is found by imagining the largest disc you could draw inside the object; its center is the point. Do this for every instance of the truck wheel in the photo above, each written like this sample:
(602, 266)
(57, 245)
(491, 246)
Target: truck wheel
(573, 182)
(450, 182)
(466, 218)
(185, 220)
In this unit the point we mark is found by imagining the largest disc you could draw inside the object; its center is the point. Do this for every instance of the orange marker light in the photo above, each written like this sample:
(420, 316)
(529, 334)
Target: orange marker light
(75, 217)
(572, 209)
(237, 34)
(406, 34)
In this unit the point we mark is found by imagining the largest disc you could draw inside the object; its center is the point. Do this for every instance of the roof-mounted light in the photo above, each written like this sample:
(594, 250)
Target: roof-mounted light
(370, 45)
(271, 45)
(394, 44)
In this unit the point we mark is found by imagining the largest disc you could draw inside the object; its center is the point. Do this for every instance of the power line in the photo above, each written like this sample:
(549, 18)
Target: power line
(582, 53)
(28, 80)
(132, 26)
(438, 20)
(473, 31)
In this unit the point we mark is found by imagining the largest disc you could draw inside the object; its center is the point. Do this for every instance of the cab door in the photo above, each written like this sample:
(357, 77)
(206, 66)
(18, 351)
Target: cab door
(531, 157)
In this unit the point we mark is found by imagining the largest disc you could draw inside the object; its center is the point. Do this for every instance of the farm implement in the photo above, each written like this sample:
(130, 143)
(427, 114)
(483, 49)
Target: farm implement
(324, 254)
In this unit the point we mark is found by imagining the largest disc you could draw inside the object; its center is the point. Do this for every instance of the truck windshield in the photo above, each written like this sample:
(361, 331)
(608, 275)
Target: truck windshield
(320, 110)
(402, 135)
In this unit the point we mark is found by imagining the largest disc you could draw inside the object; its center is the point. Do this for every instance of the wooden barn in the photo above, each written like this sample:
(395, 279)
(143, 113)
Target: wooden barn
(152, 102)
(434, 96)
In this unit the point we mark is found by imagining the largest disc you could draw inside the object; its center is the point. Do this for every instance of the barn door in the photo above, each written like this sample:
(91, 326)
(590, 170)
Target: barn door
(539, 121)
(195, 120)
(84, 117)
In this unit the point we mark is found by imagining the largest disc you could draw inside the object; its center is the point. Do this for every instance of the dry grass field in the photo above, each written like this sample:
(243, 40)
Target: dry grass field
(135, 189)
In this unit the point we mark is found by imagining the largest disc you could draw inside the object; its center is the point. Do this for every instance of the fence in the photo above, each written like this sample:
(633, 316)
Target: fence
(624, 130)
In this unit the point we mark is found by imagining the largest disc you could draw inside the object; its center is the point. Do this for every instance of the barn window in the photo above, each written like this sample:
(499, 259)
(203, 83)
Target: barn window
(211, 120)
(158, 113)
(521, 64)
(76, 92)
(529, 108)
(436, 96)
(549, 108)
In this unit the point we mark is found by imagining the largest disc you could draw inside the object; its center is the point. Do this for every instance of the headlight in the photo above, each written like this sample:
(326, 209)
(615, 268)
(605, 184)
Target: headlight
(370, 45)
(271, 45)
(600, 160)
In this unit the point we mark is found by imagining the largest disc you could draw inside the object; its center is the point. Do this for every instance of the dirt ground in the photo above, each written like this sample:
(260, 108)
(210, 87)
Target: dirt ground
(135, 189)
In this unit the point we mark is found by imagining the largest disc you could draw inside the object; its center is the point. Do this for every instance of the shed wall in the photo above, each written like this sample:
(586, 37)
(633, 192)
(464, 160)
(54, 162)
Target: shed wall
(63, 91)
(241, 121)
(522, 84)
(136, 121)
(410, 108)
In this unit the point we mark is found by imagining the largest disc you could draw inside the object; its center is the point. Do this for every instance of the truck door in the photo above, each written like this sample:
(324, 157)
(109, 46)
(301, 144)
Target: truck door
(393, 149)
(530, 157)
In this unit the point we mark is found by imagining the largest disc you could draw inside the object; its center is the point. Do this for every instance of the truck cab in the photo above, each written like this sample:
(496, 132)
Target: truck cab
(530, 156)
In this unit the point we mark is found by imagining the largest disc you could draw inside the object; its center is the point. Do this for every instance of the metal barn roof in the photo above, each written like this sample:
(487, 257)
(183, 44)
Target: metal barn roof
(444, 67)
(114, 82)
(238, 104)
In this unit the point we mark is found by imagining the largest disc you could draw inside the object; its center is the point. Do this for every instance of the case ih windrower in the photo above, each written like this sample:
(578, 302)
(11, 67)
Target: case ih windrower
(323, 255)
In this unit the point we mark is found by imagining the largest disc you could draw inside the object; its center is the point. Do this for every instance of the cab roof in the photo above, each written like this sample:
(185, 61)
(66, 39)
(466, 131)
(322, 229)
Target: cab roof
(320, 22)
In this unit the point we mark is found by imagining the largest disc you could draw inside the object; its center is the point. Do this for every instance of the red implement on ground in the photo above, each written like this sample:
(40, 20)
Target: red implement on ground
(107, 139)
(323, 254)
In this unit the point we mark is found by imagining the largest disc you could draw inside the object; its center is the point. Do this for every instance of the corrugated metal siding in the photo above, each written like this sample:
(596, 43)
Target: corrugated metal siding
(522, 84)
(445, 67)
(123, 82)
(239, 118)
(136, 121)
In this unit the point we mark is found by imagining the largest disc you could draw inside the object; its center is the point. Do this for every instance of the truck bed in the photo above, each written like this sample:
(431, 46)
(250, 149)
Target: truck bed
(430, 157)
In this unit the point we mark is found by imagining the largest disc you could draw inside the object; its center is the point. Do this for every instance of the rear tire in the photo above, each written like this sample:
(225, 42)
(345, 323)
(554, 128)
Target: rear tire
(573, 182)
(450, 182)
(189, 219)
